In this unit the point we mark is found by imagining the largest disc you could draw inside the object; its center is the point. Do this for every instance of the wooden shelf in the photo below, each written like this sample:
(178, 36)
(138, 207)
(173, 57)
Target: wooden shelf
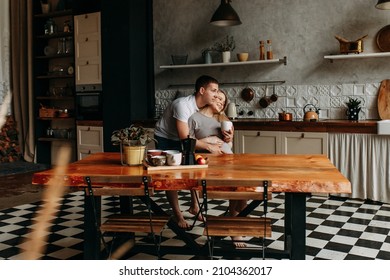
(47, 139)
(271, 61)
(356, 56)
(54, 14)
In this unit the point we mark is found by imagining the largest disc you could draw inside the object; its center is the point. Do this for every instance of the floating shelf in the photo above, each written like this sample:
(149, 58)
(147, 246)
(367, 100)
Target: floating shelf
(271, 61)
(356, 56)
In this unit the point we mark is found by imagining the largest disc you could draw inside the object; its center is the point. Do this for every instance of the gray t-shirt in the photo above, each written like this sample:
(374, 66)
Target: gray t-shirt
(180, 109)
(202, 126)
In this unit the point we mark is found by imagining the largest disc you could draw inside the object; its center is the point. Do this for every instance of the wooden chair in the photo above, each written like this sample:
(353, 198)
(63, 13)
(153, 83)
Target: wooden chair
(127, 223)
(222, 226)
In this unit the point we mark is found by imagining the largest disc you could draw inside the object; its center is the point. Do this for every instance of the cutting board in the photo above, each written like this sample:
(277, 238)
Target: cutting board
(384, 100)
(173, 167)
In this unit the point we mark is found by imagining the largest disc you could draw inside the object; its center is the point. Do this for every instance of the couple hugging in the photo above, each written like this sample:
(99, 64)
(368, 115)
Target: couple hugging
(199, 116)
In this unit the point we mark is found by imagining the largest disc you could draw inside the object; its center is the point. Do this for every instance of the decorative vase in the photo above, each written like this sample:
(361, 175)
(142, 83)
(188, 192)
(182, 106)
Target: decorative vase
(226, 57)
(353, 114)
(207, 58)
(132, 155)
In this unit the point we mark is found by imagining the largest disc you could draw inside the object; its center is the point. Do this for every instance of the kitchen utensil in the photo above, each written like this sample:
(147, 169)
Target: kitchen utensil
(383, 39)
(285, 116)
(384, 100)
(312, 114)
(265, 101)
(232, 110)
(188, 150)
(247, 94)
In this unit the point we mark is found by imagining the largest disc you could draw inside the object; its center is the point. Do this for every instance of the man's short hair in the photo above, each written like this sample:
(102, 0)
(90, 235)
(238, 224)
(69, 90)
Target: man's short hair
(204, 81)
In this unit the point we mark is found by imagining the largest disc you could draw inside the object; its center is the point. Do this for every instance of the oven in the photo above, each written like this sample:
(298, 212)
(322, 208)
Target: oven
(89, 103)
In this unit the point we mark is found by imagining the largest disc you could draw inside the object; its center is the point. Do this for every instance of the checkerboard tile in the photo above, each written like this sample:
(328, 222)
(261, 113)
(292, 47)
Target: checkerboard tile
(337, 229)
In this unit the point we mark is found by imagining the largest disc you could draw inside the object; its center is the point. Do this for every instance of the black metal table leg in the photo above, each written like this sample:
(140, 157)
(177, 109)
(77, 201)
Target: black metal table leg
(91, 236)
(295, 225)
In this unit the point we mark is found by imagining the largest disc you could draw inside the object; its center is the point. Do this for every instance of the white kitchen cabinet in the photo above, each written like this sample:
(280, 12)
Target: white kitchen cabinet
(259, 142)
(280, 142)
(304, 143)
(89, 140)
(88, 49)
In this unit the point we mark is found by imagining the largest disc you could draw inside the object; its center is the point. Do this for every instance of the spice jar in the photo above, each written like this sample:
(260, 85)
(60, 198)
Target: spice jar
(269, 50)
(262, 50)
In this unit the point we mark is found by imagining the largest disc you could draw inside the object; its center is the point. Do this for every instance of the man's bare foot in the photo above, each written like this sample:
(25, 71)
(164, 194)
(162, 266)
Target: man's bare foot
(194, 211)
(182, 223)
(236, 242)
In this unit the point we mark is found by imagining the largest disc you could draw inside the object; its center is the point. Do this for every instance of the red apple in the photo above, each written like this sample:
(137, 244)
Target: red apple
(201, 160)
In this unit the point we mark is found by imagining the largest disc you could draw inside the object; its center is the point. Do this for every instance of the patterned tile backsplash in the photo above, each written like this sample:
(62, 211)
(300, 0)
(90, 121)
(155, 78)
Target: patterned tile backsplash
(330, 99)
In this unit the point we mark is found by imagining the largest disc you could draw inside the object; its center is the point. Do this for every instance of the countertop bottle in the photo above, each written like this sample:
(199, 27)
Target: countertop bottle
(269, 50)
(262, 50)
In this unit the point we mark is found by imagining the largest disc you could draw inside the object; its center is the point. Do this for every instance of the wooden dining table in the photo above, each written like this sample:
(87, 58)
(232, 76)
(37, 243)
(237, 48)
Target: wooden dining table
(294, 175)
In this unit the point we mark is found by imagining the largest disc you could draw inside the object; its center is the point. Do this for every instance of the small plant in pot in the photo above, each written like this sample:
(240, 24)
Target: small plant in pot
(132, 141)
(354, 108)
(226, 46)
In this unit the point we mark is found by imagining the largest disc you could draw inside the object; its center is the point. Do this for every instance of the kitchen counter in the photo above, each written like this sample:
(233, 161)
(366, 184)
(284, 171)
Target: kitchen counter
(333, 126)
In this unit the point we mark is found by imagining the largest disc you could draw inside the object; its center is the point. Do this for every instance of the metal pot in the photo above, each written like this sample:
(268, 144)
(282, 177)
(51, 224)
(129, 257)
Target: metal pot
(312, 114)
(285, 116)
(247, 94)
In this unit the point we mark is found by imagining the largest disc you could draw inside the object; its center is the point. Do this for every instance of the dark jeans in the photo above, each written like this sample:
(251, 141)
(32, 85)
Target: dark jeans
(167, 144)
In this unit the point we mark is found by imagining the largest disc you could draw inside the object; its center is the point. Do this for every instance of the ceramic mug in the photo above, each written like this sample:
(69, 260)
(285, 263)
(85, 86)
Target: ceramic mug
(151, 153)
(173, 157)
(226, 125)
(158, 160)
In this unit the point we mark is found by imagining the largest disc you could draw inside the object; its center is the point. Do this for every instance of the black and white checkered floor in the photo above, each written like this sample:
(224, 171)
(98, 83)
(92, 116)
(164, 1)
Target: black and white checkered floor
(337, 229)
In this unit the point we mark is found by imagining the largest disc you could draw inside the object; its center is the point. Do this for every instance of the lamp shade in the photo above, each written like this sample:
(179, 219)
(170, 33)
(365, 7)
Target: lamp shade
(383, 5)
(225, 15)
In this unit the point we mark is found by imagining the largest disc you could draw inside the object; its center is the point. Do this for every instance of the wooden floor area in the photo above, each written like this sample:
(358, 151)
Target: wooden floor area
(17, 189)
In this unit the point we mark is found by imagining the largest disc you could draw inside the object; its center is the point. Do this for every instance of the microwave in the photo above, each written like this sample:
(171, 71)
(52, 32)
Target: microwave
(89, 105)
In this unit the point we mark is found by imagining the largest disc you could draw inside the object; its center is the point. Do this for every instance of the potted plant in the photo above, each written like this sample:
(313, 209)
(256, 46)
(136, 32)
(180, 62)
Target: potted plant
(354, 108)
(132, 141)
(226, 46)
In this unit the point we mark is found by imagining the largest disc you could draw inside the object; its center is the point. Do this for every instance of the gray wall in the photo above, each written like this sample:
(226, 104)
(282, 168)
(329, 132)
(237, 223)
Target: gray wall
(302, 30)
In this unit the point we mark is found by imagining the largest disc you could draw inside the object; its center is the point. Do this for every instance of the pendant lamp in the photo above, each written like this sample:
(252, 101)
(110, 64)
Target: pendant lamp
(383, 5)
(225, 15)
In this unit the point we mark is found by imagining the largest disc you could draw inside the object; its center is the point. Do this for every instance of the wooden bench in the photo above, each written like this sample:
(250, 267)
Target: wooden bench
(220, 226)
(121, 223)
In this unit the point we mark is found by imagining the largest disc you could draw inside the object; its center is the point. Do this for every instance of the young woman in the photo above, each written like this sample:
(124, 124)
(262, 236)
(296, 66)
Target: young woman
(205, 126)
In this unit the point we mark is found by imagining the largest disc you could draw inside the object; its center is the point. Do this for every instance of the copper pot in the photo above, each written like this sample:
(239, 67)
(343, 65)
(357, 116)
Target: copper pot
(285, 116)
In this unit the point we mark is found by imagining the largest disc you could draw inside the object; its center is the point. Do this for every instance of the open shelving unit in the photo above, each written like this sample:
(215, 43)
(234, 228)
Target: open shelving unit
(220, 64)
(357, 56)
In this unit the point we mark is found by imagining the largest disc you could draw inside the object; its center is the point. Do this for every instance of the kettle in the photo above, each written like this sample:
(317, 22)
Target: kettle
(311, 116)
(231, 110)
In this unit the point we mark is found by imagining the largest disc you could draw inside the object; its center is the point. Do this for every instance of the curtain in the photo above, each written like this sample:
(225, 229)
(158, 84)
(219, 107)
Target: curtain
(364, 160)
(21, 74)
(5, 95)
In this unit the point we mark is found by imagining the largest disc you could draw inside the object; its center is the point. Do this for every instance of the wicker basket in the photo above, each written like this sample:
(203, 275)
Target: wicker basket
(47, 112)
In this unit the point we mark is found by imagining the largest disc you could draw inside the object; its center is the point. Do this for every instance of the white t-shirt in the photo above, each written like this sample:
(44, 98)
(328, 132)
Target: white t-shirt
(180, 109)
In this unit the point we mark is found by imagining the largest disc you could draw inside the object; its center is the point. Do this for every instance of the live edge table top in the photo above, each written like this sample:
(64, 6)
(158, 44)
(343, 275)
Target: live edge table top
(288, 173)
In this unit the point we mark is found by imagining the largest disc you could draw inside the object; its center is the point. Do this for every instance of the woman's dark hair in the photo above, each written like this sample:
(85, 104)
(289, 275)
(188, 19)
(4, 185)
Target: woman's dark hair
(203, 81)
